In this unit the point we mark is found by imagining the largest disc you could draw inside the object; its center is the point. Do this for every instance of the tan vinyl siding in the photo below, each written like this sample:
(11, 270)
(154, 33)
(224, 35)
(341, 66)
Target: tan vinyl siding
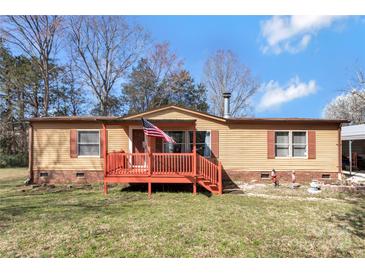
(52, 146)
(117, 138)
(201, 123)
(244, 146)
(250, 148)
(241, 146)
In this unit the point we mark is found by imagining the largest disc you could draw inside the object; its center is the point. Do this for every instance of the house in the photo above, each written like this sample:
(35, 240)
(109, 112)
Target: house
(208, 149)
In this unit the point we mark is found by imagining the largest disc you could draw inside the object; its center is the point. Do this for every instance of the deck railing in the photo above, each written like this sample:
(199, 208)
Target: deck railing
(184, 164)
(208, 170)
(172, 163)
(120, 163)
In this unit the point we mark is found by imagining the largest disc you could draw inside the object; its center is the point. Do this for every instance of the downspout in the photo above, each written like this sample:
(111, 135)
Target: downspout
(339, 154)
(105, 149)
(30, 154)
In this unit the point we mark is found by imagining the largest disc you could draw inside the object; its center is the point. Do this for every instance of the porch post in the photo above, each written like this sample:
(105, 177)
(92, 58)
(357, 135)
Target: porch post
(149, 150)
(350, 155)
(105, 148)
(149, 189)
(194, 151)
(220, 185)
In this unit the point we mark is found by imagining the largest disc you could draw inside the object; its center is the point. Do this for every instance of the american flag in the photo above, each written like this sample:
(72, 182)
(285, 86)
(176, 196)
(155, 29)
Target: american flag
(153, 131)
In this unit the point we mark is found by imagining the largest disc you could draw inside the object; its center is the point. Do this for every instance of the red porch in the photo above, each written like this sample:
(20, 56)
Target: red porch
(146, 165)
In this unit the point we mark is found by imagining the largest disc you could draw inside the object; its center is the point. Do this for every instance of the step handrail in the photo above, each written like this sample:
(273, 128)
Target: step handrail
(210, 171)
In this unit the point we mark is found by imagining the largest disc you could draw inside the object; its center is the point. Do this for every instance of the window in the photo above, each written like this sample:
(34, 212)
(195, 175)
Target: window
(88, 143)
(290, 144)
(202, 142)
(184, 142)
(299, 143)
(282, 144)
(180, 146)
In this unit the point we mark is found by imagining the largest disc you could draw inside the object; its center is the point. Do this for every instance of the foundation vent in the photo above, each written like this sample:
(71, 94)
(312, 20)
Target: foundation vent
(43, 174)
(80, 174)
(326, 176)
(265, 175)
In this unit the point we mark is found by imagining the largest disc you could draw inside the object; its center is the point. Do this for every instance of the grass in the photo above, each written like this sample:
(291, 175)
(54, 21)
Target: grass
(13, 173)
(62, 222)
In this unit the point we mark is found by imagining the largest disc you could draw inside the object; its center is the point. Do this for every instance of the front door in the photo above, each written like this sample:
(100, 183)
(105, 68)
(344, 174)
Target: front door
(138, 141)
(138, 146)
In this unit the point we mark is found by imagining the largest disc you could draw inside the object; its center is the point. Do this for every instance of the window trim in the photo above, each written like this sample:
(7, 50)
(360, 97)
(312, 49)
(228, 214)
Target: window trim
(291, 144)
(78, 147)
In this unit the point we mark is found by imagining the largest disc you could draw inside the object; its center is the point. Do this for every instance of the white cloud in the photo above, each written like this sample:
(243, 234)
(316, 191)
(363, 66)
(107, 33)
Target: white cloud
(292, 33)
(276, 95)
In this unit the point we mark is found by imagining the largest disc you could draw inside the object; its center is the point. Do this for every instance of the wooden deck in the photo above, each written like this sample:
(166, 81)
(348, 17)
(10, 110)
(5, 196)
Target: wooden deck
(189, 168)
(151, 167)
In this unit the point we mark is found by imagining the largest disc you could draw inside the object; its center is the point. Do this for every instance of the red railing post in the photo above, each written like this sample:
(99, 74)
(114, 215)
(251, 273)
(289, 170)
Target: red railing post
(149, 188)
(149, 163)
(220, 186)
(194, 152)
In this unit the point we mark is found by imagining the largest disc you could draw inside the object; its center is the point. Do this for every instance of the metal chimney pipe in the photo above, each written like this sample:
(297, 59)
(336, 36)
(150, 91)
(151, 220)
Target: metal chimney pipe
(227, 111)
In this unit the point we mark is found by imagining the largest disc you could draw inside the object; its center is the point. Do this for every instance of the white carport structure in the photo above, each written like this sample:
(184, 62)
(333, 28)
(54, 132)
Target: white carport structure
(350, 134)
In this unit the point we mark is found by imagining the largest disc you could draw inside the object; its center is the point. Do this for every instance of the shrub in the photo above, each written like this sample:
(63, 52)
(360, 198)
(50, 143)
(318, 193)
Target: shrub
(14, 160)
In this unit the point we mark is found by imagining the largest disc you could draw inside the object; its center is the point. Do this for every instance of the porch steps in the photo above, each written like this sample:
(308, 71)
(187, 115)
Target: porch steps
(207, 185)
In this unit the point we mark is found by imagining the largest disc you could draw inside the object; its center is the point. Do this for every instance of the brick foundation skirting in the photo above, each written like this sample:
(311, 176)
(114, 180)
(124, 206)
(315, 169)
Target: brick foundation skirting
(67, 176)
(282, 176)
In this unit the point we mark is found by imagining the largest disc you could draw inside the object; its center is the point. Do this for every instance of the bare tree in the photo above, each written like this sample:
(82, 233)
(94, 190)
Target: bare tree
(104, 48)
(351, 104)
(150, 83)
(223, 72)
(36, 37)
(164, 63)
(357, 86)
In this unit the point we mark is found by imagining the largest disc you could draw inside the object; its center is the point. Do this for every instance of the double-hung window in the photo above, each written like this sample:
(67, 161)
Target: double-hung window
(282, 144)
(88, 143)
(290, 144)
(299, 144)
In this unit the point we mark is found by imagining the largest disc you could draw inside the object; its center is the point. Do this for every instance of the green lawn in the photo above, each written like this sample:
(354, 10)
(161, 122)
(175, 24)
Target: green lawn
(62, 222)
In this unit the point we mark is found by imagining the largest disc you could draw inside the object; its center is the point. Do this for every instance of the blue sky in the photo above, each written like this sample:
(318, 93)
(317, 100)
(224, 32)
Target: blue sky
(302, 62)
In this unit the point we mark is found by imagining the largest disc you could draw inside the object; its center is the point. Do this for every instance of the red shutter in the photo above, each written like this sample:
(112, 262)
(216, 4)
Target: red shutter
(271, 144)
(102, 141)
(215, 143)
(311, 144)
(73, 143)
